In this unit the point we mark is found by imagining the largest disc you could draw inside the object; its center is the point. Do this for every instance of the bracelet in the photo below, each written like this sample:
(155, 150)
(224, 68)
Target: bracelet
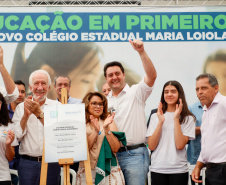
(99, 133)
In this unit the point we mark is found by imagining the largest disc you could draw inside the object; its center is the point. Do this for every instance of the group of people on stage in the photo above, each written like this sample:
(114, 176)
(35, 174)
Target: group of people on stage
(116, 119)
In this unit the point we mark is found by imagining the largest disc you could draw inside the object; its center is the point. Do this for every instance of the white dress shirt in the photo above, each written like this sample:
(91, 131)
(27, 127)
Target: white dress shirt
(32, 137)
(129, 108)
(9, 97)
(213, 130)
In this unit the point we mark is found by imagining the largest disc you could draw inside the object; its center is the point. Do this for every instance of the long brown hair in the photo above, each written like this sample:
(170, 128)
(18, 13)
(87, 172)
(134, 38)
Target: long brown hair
(4, 112)
(185, 111)
(87, 99)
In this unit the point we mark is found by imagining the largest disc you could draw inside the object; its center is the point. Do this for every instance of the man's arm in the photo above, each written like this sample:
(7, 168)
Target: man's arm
(197, 131)
(149, 68)
(196, 172)
(8, 81)
(23, 122)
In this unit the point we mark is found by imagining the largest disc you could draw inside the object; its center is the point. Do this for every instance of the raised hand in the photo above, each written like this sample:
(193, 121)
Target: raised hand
(178, 109)
(160, 113)
(137, 45)
(10, 137)
(109, 120)
(95, 123)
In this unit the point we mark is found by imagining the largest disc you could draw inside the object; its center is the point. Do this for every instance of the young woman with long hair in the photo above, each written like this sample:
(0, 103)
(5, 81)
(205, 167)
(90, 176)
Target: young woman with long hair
(7, 141)
(169, 131)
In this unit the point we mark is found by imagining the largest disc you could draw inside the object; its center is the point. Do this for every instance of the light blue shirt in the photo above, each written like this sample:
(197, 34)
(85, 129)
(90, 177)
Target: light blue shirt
(72, 100)
(194, 146)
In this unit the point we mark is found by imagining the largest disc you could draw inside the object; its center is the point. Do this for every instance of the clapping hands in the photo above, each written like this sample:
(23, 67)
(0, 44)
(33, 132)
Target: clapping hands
(178, 109)
(95, 123)
(109, 120)
(160, 113)
(10, 137)
(31, 106)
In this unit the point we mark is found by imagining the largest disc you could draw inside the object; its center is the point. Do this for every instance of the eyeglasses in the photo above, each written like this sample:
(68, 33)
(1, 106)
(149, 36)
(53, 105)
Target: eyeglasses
(95, 104)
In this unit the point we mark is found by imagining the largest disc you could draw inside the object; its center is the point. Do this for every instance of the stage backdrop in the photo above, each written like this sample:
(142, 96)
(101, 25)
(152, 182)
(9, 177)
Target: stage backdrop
(78, 41)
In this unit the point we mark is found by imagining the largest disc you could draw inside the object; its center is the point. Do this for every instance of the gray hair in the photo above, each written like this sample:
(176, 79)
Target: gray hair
(39, 71)
(212, 79)
(64, 76)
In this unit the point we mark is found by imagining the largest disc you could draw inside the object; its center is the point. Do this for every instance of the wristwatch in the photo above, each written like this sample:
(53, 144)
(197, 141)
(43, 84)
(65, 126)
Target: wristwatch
(108, 133)
(41, 116)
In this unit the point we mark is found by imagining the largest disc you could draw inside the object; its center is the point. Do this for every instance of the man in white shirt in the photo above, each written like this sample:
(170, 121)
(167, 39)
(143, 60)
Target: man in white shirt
(10, 92)
(213, 130)
(29, 121)
(128, 103)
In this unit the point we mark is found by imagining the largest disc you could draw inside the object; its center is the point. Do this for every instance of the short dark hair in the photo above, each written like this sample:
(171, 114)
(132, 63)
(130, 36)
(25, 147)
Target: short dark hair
(64, 76)
(19, 82)
(111, 64)
(212, 79)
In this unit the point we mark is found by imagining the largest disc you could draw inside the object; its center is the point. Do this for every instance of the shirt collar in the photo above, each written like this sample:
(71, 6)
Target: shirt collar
(67, 99)
(199, 105)
(215, 101)
(124, 90)
(45, 103)
(9, 107)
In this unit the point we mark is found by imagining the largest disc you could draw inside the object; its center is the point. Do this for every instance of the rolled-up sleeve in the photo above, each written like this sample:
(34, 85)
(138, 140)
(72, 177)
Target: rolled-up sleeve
(9, 97)
(200, 159)
(143, 91)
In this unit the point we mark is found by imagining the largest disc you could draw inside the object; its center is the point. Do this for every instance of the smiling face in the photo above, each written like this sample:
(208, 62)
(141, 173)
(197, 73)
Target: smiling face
(96, 106)
(171, 95)
(205, 92)
(40, 86)
(115, 78)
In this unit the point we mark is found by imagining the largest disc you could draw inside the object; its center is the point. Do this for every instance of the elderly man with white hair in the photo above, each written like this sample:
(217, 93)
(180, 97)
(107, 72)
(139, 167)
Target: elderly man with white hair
(29, 121)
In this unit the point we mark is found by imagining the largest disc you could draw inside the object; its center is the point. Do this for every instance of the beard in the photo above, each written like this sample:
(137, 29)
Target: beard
(40, 99)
